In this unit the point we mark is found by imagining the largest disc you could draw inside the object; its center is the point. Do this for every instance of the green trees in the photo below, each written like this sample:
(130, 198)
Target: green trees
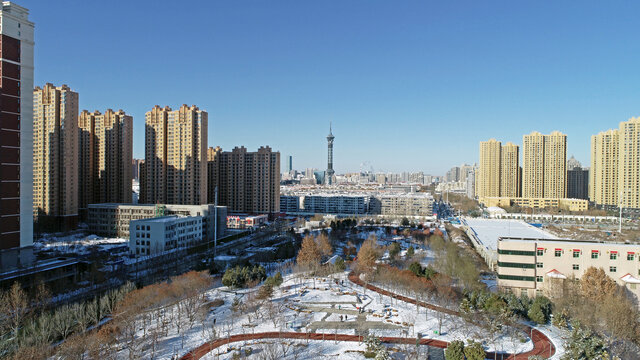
(404, 222)
(394, 250)
(474, 351)
(584, 344)
(540, 310)
(455, 350)
(418, 270)
(242, 276)
(410, 251)
(339, 265)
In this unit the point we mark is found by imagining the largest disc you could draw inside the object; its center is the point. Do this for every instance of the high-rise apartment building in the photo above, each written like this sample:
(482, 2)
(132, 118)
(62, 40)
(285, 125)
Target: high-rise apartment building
(175, 170)
(544, 159)
(248, 182)
(509, 170)
(577, 180)
(55, 157)
(16, 127)
(604, 173)
(106, 145)
(488, 178)
(135, 168)
(629, 164)
(499, 171)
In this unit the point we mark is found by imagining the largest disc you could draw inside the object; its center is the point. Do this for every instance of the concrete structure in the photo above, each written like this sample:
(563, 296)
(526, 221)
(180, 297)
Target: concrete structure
(537, 203)
(16, 127)
(330, 172)
(105, 158)
(488, 180)
(136, 165)
(577, 180)
(248, 182)
(290, 167)
(165, 233)
(409, 204)
(175, 169)
(604, 172)
(629, 164)
(544, 165)
(499, 171)
(510, 170)
(112, 220)
(246, 222)
(55, 158)
(471, 183)
(532, 266)
(486, 233)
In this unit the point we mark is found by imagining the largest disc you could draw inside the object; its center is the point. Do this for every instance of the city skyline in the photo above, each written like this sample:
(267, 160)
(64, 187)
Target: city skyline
(254, 69)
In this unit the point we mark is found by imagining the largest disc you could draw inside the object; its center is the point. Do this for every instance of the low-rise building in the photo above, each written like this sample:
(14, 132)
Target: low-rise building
(160, 234)
(112, 220)
(246, 222)
(407, 204)
(535, 266)
(537, 203)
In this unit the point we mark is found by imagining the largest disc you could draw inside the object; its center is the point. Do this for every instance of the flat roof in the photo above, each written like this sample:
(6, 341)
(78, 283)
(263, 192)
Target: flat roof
(560, 242)
(488, 231)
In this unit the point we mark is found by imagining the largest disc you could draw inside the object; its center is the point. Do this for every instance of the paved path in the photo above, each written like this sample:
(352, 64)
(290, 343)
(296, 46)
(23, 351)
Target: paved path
(541, 344)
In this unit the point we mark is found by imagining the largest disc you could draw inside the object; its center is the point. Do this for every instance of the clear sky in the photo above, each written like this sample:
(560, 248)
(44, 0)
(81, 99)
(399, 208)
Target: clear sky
(409, 85)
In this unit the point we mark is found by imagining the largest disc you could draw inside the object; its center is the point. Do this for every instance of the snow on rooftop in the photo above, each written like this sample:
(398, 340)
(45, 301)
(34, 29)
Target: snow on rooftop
(489, 230)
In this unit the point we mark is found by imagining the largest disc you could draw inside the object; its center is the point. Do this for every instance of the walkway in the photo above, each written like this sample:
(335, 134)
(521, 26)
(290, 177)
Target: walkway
(541, 344)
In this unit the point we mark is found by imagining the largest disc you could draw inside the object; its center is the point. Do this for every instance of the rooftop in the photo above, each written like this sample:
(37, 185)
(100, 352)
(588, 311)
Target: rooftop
(488, 231)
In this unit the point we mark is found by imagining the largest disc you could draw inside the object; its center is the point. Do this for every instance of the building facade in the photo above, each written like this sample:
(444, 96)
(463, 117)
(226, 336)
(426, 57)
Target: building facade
(629, 164)
(165, 233)
(510, 170)
(55, 158)
(536, 266)
(16, 127)
(113, 220)
(175, 170)
(247, 182)
(603, 176)
(105, 158)
(577, 180)
(488, 178)
(544, 165)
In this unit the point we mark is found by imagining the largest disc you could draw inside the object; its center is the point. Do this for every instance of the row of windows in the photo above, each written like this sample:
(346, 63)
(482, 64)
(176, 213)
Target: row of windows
(515, 277)
(576, 254)
(516, 265)
(516, 252)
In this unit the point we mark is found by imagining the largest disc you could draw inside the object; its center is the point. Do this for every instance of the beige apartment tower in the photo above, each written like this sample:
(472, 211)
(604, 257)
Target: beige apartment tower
(604, 174)
(106, 143)
(510, 170)
(55, 157)
(247, 182)
(175, 166)
(499, 171)
(488, 182)
(629, 164)
(544, 173)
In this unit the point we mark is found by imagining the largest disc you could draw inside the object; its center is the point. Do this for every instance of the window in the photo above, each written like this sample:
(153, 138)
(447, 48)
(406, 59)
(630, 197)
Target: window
(558, 253)
(539, 265)
(516, 277)
(540, 252)
(576, 254)
(576, 267)
(516, 252)
(613, 256)
(632, 286)
(594, 254)
(539, 278)
(612, 269)
(630, 257)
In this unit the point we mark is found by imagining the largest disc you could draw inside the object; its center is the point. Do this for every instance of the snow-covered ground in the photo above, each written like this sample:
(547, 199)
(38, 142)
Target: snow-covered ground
(297, 306)
(79, 243)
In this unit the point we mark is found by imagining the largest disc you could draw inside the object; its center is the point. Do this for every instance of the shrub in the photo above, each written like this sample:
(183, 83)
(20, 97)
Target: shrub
(455, 350)
(410, 251)
(416, 269)
(474, 351)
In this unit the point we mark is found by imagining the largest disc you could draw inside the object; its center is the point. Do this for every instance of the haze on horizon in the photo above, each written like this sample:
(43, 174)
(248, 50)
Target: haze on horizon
(410, 86)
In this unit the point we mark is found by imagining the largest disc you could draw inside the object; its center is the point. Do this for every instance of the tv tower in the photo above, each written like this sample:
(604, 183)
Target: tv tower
(329, 178)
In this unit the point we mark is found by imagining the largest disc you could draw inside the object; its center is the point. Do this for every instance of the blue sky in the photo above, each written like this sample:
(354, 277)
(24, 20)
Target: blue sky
(408, 85)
